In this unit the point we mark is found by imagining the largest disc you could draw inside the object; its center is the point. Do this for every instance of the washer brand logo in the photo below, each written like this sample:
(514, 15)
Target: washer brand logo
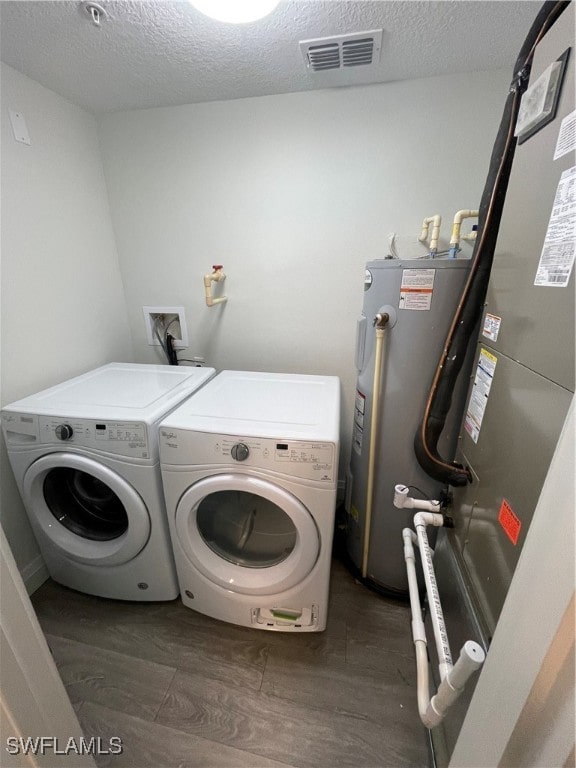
(168, 435)
(42, 745)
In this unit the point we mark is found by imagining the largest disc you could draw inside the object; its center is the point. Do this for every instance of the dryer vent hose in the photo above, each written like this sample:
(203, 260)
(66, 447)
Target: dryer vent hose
(469, 309)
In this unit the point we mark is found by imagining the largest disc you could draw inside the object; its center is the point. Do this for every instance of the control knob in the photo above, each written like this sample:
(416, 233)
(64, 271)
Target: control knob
(240, 452)
(64, 431)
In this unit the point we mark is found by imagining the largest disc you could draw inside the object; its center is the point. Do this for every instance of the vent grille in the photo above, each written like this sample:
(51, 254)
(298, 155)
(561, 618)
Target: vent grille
(361, 49)
(356, 53)
(324, 57)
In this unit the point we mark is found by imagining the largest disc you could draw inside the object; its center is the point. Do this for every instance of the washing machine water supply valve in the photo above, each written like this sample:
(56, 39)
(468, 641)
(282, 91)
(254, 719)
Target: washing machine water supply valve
(453, 677)
(216, 276)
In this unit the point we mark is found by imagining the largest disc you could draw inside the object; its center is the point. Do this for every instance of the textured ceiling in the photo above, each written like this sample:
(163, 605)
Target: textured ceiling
(162, 53)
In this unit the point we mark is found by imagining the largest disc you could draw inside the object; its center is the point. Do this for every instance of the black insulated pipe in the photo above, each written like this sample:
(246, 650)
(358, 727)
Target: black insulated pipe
(469, 309)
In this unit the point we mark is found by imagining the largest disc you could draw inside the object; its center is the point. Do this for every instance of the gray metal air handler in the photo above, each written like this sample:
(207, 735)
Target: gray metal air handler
(522, 382)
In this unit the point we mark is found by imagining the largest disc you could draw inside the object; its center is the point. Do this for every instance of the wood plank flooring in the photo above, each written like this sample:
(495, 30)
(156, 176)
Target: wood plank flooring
(185, 691)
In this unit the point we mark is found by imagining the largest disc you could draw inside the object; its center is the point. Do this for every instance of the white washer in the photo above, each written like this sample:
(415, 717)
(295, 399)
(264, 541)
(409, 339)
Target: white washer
(250, 472)
(85, 458)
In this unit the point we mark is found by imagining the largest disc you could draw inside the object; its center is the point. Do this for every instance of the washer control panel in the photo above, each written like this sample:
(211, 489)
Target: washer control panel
(117, 437)
(295, 458)
(124, 438)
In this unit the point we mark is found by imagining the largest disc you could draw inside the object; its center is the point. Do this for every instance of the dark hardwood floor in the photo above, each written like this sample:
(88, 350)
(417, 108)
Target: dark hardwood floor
(182, 690)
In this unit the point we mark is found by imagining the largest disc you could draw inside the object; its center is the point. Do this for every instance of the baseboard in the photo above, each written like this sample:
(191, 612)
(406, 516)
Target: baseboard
(34, 574)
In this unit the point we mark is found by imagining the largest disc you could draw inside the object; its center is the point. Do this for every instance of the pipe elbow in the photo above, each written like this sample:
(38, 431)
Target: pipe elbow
(401, 496)
(459, 217)
(431, 718)
(216, 276)
(435, 221)
(429, 518)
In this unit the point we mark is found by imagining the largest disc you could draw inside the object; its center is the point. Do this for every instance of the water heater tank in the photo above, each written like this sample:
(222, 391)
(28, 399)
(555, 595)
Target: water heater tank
(423, 296)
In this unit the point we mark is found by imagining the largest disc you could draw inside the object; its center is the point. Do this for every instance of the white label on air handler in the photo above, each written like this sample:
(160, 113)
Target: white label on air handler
(479, 395)
(416, 289)
(491, 327)
(566, 136)
(559, 250)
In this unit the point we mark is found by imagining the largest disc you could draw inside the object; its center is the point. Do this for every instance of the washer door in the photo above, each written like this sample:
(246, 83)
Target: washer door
(246, 534)
(85, 509)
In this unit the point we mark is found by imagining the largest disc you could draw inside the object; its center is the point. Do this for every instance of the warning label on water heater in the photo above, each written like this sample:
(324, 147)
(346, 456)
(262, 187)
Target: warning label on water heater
(416, 289)
(479, 395)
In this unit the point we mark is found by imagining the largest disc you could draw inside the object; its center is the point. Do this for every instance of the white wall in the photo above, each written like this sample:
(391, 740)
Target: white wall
(63, 305)
(292, 194)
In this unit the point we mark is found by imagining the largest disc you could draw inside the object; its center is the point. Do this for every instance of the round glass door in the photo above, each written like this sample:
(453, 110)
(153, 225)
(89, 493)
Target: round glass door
(245, 528)
(84, 504)
(247, 534)
(88, 511)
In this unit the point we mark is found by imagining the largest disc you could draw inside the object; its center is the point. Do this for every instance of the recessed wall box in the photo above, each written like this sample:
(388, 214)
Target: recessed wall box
(171, 318)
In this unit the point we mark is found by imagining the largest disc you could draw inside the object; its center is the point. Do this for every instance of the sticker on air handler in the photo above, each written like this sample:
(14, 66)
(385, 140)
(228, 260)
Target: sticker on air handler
(559, 249)
(509, 521)
(491, 327)
(479, 395)
(416, 289)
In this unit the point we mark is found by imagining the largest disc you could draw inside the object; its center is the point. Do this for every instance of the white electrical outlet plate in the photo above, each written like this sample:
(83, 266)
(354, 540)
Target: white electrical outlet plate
(150, 313)
(19, 127)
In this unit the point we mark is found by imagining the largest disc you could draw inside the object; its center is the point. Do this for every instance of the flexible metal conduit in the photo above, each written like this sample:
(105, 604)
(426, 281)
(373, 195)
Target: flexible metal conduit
(471, 302)
(380, 322)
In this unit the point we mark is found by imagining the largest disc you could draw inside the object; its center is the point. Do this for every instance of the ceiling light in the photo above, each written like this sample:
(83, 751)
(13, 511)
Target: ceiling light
(235, 11)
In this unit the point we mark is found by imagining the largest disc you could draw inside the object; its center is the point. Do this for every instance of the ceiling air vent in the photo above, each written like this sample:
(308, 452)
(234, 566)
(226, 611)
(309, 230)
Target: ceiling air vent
(361, 49)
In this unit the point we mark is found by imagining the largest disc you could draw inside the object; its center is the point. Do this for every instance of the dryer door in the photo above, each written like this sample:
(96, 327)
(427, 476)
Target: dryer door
(246, 534)
(85, 509)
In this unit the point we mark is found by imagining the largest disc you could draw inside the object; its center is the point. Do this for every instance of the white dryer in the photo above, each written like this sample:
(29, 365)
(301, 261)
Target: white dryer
(250, 471)
(85, 458)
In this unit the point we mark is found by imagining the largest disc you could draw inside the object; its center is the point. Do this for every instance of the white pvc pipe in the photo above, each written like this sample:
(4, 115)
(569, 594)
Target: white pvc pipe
(471, 658)
(435, 220)
(432, 711)
(381, 321)
(418, 629)
(421, 520)
(403, 501)
(459, 217)
(216, 276)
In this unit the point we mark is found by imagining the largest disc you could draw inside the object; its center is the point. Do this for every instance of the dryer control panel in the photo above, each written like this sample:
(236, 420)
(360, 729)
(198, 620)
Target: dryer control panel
(122, 438)
(296, 458)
